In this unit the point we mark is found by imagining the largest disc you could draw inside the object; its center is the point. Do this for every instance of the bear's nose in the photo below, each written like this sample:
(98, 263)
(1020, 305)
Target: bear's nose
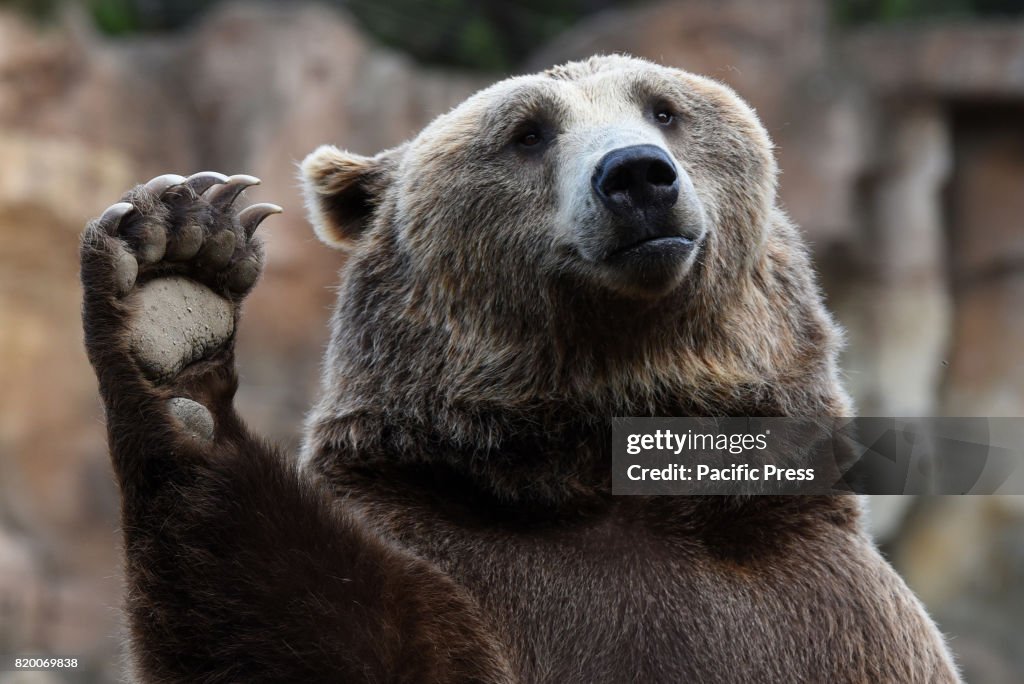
(636, 183)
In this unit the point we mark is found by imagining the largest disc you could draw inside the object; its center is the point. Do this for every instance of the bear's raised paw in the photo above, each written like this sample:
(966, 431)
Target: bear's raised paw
(166, 268)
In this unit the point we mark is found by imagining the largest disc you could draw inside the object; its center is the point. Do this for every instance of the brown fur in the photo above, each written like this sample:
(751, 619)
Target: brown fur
(453, 519)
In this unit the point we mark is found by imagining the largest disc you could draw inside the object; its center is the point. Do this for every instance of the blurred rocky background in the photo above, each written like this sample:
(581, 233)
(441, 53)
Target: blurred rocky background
(900, 128)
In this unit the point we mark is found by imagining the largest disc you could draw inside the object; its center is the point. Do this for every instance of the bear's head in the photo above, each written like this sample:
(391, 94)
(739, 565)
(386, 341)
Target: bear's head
(599, 239)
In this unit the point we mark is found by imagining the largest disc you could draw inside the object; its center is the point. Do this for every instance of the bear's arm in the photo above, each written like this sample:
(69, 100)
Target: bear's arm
(238, 568)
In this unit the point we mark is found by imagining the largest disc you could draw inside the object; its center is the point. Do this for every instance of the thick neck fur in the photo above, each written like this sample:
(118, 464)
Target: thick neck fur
(520, 400)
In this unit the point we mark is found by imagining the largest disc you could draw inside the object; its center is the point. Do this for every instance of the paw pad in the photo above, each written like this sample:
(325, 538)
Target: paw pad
(193, 417)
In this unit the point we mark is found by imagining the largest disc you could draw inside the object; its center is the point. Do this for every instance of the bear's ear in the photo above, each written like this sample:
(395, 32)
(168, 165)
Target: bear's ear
(342, 189)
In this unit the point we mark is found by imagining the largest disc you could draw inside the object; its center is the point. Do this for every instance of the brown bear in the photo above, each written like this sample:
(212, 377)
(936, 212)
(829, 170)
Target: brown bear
(601, 239)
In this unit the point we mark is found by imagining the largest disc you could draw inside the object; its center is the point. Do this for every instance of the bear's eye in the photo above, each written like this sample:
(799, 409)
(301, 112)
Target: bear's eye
(664, 116)
(530, 137)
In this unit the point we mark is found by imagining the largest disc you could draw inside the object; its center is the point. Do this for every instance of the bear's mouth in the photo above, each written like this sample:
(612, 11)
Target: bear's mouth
(658, 245)
(651, 265)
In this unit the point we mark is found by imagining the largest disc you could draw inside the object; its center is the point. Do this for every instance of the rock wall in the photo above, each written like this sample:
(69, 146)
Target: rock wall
(902, 157)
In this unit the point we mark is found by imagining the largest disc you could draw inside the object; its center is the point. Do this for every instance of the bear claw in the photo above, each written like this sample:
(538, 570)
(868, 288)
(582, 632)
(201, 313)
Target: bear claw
(223, 196)
(110, 220)
(204, 180)
(161, 184)
(252, 217)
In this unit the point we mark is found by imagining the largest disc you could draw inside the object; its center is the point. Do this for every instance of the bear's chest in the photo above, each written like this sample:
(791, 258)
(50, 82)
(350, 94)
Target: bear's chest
(616, 600)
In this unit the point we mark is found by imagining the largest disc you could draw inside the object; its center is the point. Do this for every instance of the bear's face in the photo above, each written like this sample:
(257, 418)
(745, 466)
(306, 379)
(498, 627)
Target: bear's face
(600, 239)
(609, 175)
(603, 234)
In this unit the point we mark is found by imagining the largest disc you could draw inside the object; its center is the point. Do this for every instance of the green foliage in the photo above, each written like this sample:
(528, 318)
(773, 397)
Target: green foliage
(38, 9)
(852, 12)
(494, 35)
(118, 17)
(481, 34)
(114, 16)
